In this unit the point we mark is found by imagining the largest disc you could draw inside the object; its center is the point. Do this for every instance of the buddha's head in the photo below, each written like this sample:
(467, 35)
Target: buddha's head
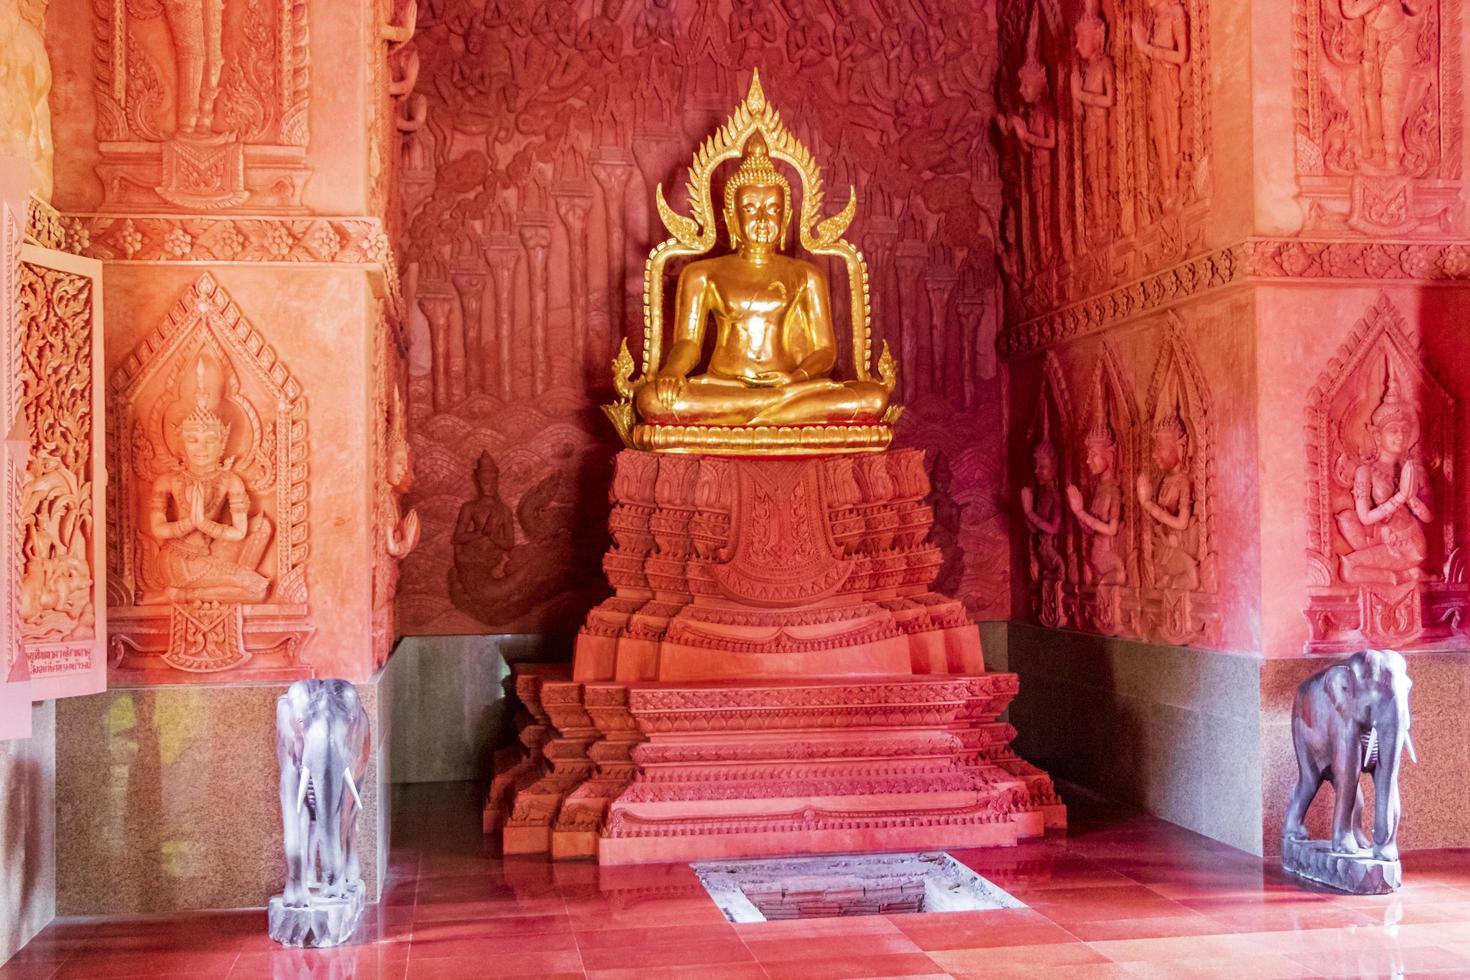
(1102, 448)
(1045, 459)
(1169, 442)
(1092, 34)
(1394, 423)
(203, 435)
(1032, 76)
(487, 475)
(757, 200)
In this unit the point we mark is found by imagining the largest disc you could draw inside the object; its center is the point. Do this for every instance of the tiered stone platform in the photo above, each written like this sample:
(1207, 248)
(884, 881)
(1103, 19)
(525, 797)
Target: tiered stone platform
(772, 676)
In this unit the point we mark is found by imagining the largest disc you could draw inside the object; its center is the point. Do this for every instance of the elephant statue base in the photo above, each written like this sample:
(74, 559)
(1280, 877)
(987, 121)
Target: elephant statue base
(1349, 720)
(323, 922)
(1357, 874)
(323, 738)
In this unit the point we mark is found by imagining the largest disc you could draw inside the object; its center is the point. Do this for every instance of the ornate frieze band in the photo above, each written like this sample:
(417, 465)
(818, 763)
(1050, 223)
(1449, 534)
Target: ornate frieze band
(1254, 259)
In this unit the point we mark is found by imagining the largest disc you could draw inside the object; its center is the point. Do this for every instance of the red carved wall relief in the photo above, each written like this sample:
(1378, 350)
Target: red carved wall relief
(207, 545)
(1378, 116)
(1386, 566)
(527, 180)
(1105, 125)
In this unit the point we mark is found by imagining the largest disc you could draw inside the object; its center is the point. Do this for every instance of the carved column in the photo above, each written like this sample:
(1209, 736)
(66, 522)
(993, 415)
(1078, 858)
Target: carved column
(469, 282)
(939, 282)
(436, 299)
(535, 231)
(501, 254)
(573, 202)
(613, 169)
(976, 361)
(911, 258)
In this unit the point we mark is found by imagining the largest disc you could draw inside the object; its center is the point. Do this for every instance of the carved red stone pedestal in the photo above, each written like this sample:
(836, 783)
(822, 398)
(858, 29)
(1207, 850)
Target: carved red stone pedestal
(773, 675)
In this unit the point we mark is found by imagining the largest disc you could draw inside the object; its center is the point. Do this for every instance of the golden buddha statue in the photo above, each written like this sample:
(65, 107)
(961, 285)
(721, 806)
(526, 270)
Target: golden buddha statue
(768, 385)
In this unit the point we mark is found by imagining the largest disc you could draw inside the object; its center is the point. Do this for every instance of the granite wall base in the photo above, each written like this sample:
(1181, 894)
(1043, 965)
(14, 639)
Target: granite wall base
(167, 798)
(28, 831)
(449, 704)
(1202, 738)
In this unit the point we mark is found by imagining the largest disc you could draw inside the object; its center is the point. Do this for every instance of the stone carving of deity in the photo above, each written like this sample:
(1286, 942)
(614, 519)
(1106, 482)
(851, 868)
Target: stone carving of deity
(1169, 507)
(1035, 129)
(1101, 517)
(209, 545)
(1164, 43)
(1385, 528)
(197, 29)
(1092, 91)
(485, 531)
(1041, 503)
(1385, 73)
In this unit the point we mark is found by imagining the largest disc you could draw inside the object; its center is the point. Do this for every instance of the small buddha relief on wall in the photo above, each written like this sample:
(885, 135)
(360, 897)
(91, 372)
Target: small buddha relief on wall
(207, 448)
(1385, 561)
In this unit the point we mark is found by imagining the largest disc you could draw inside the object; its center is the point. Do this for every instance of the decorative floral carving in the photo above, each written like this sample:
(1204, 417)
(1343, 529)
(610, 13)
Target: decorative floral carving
(1251, 260)
(60, 497)
(1384, 536)
(208, 542)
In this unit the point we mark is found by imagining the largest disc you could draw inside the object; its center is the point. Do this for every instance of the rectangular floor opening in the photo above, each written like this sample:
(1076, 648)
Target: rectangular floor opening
(847, 884)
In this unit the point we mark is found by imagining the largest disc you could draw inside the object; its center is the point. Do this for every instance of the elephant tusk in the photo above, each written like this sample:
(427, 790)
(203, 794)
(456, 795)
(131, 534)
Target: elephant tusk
(352, 785)
(301, 788)
(1409, 744)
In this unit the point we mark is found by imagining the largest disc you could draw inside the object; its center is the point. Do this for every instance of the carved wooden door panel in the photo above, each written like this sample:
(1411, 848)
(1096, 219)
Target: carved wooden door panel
(62, 608)
(15, 686)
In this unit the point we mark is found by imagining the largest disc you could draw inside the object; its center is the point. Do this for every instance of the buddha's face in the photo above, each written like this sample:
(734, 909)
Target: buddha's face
(1394, 437)
(1046, 468)
(204, 445)
(759, 211)
(1167, 450)
(1099, 458)
(487, 476)
(1089, 39)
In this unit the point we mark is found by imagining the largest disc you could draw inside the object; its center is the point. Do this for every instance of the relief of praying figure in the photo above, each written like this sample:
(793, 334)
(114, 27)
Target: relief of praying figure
(1042, 506)
(1170, 508)
(197, 28)
(1165, 45)
(1102, 517)
(199, 514)
(485, 531)
(1092, 91)
(1035, 130)
(1385, 528)
(1385, 73)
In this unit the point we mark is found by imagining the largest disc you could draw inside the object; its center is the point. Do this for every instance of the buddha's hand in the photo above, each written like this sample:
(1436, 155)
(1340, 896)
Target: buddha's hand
(667, 389)
(1028, 499)
(1074, 498)
(771, 379)
(1145, 488)
(196, 506)
(1408, 482)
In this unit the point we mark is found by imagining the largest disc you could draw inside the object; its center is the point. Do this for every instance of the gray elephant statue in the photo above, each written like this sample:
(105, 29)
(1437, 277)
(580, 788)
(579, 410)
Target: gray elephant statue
(323, 740)
(1347, 720)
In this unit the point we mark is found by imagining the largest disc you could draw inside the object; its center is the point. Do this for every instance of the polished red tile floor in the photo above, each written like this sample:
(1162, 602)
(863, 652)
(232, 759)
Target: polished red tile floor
(1121, 895)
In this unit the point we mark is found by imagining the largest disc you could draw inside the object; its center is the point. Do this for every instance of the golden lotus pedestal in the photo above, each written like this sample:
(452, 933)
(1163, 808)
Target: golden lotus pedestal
(763, 440)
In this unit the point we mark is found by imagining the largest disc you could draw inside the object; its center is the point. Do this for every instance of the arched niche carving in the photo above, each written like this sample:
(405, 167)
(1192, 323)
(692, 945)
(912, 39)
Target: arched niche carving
(1102, 502)
(1175, 490)
(1385, 565)
(207, 451)
(1050, 550)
